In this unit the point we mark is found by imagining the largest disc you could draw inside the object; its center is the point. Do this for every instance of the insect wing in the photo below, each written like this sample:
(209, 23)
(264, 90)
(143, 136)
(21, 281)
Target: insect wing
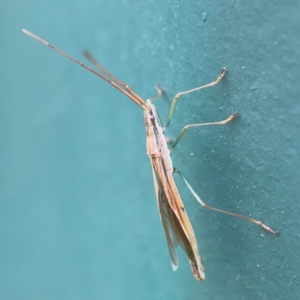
(177, 226)
(165, 219)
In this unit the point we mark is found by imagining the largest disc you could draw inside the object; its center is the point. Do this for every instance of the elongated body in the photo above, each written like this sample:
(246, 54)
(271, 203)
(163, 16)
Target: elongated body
(176, 224)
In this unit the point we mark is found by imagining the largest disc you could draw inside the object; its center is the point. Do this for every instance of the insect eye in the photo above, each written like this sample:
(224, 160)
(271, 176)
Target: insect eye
(152, 118)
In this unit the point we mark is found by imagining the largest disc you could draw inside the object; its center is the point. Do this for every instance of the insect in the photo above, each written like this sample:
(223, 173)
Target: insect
(177, 226)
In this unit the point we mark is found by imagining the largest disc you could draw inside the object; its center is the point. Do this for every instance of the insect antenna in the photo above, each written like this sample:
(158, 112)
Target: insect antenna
(110, 79)
(92, 60)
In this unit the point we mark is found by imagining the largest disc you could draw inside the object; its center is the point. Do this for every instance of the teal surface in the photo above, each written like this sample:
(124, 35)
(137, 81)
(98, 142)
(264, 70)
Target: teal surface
(78, 215)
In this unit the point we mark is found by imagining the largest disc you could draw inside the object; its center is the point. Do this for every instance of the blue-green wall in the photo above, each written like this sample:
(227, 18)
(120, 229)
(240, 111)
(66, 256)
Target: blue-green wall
(78, 215)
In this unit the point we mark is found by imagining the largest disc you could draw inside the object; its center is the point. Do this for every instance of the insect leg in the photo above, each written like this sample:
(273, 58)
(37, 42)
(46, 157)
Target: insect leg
(186, 127)
(204, 205)
(159, 92)
(175, 100)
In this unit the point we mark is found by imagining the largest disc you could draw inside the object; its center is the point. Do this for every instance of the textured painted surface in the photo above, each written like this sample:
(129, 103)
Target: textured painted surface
(78, 216)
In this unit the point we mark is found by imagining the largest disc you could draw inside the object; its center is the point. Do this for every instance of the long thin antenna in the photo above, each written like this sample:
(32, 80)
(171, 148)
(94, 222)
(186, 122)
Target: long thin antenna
(135, 98)
(92, 60)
